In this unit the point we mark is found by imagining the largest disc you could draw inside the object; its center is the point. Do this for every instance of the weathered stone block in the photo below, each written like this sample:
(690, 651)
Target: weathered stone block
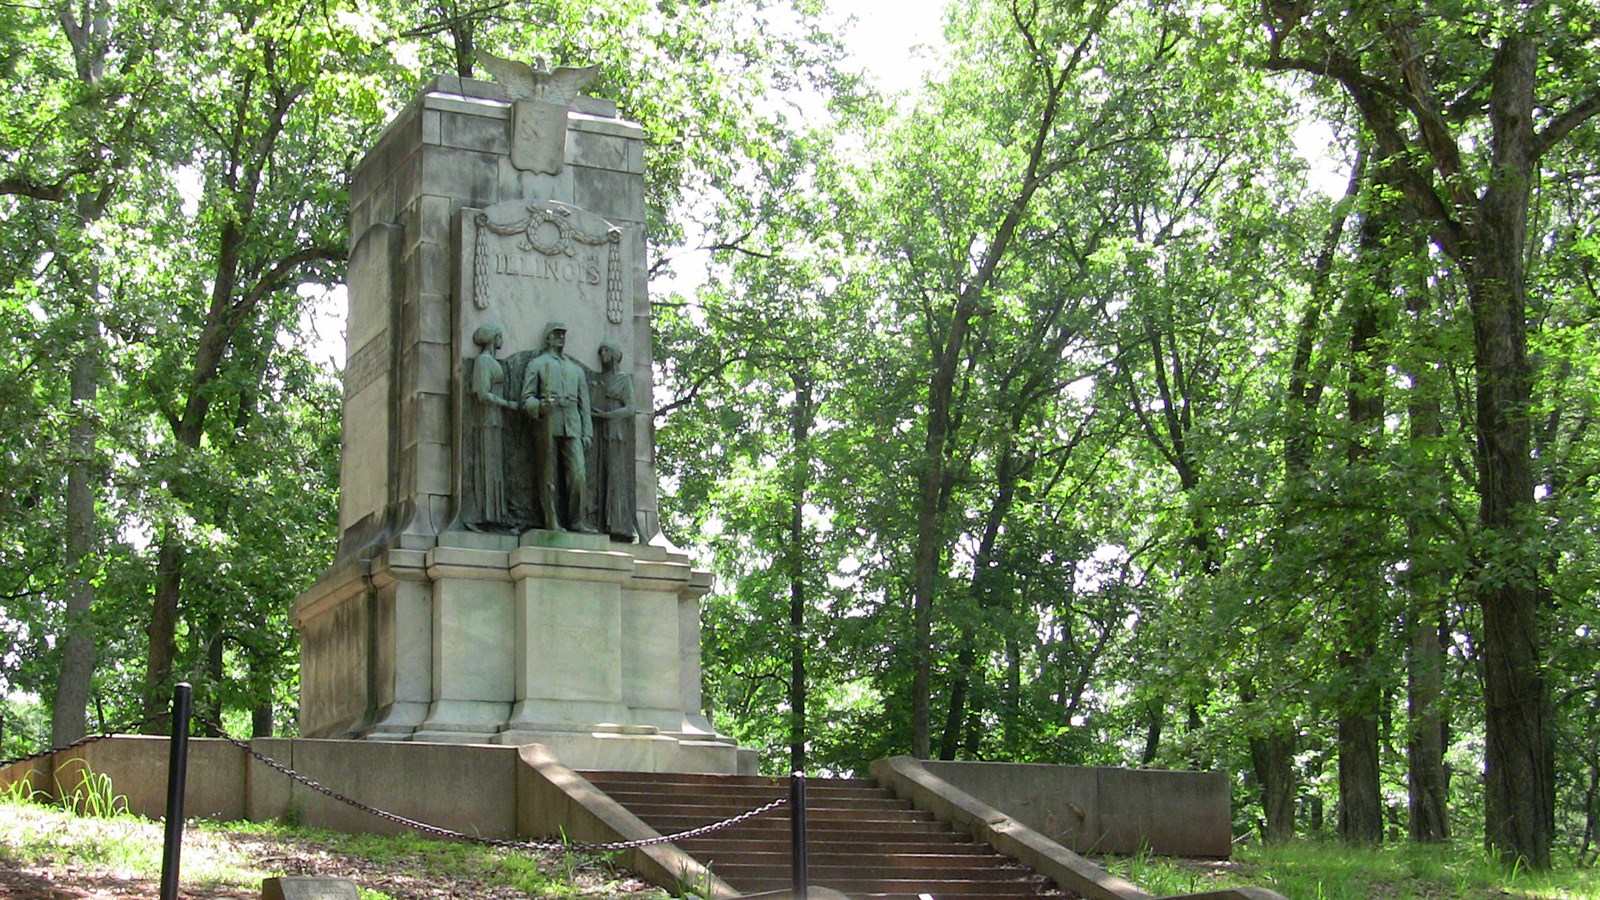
(473, 649)
(435, 363)
(635, 156)
(427, 268)
(467, 174)
(433, 217)
(615, 195)
(600, 151)
(433, 318)
(650, 650)
(309, 887)
(433, 468)
(514, 183)
(433, 414)
(473, 132)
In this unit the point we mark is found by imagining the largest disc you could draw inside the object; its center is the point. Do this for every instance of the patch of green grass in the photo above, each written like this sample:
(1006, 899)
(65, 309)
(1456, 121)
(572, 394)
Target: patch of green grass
(1325, 870)
(89, 793)
(226, 854)
(109, 840)
(553, 875)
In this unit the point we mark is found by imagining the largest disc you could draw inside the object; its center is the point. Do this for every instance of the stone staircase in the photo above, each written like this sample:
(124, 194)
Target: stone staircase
(862, 841)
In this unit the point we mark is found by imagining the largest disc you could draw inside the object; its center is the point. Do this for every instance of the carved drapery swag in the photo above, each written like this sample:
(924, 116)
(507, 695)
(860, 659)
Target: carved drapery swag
(566, 234)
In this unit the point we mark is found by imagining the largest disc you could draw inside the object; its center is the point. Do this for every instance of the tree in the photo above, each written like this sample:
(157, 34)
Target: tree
(93, 83)
(263, 233)
(1465, 123)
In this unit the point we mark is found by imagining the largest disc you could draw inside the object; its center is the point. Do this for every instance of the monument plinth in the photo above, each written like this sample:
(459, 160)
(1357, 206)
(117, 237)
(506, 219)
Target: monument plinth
(501, 576)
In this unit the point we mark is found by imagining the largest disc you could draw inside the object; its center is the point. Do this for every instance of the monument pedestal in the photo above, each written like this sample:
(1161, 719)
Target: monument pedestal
(588, 646)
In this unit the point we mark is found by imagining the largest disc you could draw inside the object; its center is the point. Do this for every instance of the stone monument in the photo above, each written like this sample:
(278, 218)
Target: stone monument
(501, 576)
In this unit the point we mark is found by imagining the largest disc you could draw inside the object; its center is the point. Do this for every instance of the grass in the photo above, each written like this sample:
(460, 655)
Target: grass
(1324, 870)
(125, 849)
(120, 846)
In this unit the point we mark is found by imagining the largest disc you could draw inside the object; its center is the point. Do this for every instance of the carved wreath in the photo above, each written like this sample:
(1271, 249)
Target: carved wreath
(530, 227)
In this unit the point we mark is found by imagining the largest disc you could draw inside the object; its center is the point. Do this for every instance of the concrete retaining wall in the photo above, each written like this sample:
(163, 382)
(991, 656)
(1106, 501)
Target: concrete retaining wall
(915, 781)
(465, 788)
(1103, 810)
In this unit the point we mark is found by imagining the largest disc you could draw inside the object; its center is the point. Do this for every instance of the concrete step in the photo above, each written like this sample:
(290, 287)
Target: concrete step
(900, 887)
(970, 869)
(732, 804)
(814, 792)
(861, 840)
(924, 845)
(778, 860)
(724, 780)
(823, 823)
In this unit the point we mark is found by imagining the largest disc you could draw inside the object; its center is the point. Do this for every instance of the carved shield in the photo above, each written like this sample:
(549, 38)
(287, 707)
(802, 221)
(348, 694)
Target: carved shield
(538, 136)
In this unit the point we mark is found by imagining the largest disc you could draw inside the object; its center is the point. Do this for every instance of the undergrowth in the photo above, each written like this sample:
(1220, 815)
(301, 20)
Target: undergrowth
(1325, 870)
(87, 834)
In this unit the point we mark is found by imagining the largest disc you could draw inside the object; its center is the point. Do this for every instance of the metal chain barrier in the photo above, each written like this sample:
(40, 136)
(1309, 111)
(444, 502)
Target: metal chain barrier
(438, 831)
(86, 740)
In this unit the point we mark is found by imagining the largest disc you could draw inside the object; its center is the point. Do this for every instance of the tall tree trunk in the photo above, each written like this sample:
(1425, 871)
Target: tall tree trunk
(1155, 719)
(225, 316)
(949, 350)
(210, 705)
(800, 429)
(261, 719)
(928, 556)
(1011, 703)
(89, 37)
(1427, 797)
(1273, 752)
(69, 712)
(1519, 771)
(983, 593)
(163, 629)
(1360, 795)
(261, 675)
(1426, 789)
(1273, 759)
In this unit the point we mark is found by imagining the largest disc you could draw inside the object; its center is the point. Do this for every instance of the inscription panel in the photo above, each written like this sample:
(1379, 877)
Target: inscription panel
(367, 364)
(529, 262)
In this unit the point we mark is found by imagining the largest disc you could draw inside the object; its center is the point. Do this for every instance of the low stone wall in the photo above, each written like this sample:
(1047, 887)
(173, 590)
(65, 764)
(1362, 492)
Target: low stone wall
(464, 788)
(914, 780)
(1104, 810)
(485, 791)
(137, 766)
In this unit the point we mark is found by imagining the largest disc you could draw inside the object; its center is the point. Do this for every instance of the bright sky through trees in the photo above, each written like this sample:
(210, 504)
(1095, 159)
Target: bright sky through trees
(895, 42)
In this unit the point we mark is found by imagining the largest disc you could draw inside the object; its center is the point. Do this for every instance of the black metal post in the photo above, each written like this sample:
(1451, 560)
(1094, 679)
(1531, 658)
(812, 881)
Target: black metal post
(177, 769)
(797, 833)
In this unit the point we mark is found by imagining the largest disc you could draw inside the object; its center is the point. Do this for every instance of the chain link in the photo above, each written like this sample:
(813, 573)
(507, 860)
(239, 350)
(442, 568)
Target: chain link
(86, 740)
(438, 831)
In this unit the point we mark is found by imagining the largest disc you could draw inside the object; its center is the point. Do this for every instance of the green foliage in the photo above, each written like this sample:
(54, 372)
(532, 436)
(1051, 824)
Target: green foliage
(1209, 465)
(1323, 869)
(26, 725)
(92, 794)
